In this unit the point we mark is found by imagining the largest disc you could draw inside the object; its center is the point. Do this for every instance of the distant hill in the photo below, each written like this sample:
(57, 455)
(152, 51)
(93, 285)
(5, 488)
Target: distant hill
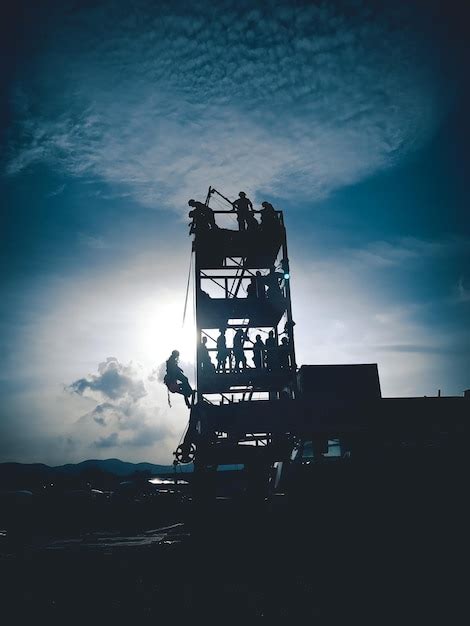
(117, 467)
(25, 469)
(29, 473)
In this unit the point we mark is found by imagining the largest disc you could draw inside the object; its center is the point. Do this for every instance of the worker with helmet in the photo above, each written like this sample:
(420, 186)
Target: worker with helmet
(244, 209)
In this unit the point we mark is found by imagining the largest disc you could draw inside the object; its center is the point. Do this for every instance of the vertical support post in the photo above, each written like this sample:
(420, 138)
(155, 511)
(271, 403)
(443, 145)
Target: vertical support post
(289, 308)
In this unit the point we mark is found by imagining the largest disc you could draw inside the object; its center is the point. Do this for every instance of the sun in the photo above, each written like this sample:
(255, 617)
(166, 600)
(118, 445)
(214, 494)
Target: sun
(160, 329)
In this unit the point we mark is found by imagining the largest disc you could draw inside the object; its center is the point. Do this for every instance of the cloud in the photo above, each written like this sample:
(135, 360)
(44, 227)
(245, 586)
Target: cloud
(130, 426)
(403, 250)
(110, 441)
(100, 413)
(382, 303)
(463, 292)
(115, 381)
(57, 191)
(148, 435)
(423, 349)
(273, 98)
(128, 420)
(93, 242)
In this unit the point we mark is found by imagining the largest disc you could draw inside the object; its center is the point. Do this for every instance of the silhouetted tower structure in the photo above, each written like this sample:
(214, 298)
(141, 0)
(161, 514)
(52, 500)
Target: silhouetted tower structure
(227, 263)
(242, 282)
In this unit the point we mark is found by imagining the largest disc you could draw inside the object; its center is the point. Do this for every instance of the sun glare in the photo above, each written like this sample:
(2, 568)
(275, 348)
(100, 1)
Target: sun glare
(160, 330)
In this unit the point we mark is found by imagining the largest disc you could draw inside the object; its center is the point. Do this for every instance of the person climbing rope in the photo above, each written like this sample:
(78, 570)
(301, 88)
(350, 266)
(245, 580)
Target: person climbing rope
(175, 379)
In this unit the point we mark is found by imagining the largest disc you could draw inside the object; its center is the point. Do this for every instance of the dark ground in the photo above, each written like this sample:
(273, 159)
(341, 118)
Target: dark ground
(365, 550)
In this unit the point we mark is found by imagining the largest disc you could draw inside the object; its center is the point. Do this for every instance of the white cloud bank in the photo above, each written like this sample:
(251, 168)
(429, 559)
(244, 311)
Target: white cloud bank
(165, 100)
(122, 409)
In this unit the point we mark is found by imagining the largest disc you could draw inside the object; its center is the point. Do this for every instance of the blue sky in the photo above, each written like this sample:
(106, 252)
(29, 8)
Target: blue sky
(350, 116)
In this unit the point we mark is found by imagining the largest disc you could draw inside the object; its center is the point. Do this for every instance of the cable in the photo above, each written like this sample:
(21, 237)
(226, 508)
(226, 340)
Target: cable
(197, 335)
(187, 287)
(221, 206)
(219, 202)
(183, 434)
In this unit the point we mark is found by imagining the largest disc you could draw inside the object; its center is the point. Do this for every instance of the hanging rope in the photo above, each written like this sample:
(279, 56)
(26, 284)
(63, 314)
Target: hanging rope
(195, 354)
(183, 433)
(187, 287)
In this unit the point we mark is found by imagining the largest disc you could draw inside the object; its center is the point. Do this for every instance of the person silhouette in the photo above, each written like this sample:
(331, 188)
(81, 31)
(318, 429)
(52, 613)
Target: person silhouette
(175, 379)
(269, 219)
(203, 217)
(252, 223)
(272, 281)
(244, 209)
(222, 351)
(284, 354)
(289, 329)
(251, 288)
(238, 352)
(260, 285)
(204, 358)
(258, 352)
(272, 357)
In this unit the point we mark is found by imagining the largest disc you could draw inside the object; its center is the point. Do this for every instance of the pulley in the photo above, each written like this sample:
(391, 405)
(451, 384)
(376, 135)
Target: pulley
(185, 454)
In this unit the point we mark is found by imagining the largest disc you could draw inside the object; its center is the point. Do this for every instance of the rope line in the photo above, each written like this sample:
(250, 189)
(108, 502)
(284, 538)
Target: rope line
(221, 205)
(187, 287)
(195, 354)
(183, 433)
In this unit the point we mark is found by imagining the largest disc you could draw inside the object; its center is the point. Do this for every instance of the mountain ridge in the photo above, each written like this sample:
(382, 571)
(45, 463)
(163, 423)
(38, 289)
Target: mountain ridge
(113, 466)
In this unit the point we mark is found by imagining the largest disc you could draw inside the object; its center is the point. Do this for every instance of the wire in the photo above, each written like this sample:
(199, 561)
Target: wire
(187, 287)
(221, 205)
(219, 202)
(185, 430)
(197, 334)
